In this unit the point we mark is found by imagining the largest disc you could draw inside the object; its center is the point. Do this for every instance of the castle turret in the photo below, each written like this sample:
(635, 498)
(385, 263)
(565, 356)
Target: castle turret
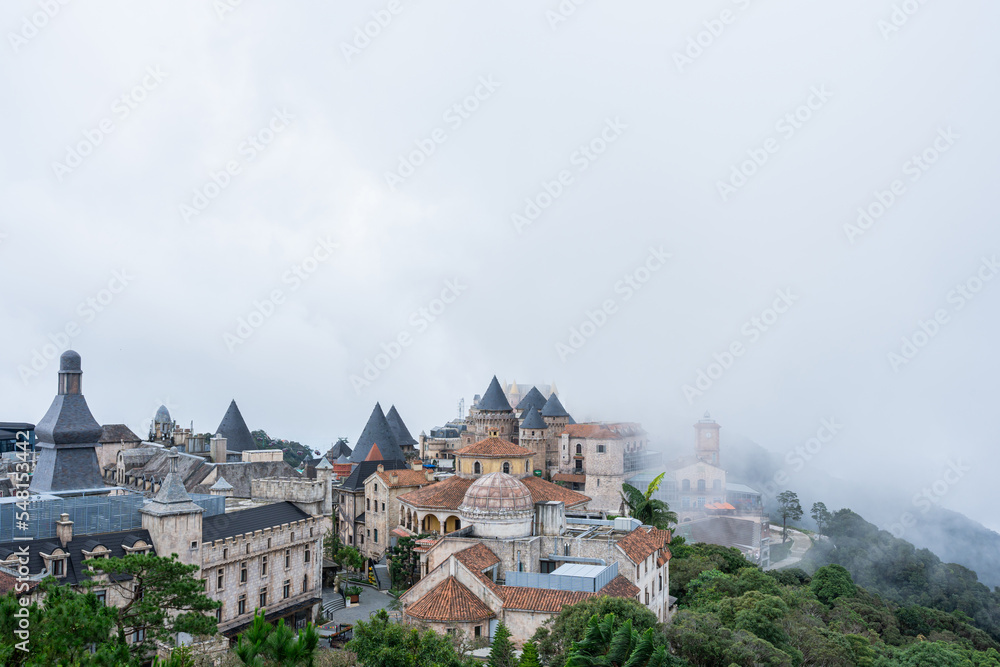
(172, 519)
(707, 440)
(534, 434)
(493, 414)
(68, 437)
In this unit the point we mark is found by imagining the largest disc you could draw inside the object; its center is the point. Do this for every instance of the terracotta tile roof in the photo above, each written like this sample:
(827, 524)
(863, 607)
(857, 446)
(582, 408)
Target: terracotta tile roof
(544, 491)
(494, 448)
(374, 454)
(477, 558)
(644, 541)
(404, 478)
(540, 599)
(399, 531)
(447, 494)
(425, 545)
(451, 601)
(620, 587)
(9, 581)
(596, 431)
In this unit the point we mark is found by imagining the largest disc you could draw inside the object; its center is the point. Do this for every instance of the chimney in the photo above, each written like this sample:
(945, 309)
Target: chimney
(218, 447)
(64, 529)
(381, 468)
(417, 464)
(394, 478)
(429, 475)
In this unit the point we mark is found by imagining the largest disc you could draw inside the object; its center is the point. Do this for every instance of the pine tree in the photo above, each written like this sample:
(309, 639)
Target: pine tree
(529, 656)
(502, 651)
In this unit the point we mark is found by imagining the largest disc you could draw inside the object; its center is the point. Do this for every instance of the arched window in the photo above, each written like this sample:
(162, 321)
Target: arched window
(527, 466)
(579, 448)
(506, 467)
(686, 485)
(476, 468)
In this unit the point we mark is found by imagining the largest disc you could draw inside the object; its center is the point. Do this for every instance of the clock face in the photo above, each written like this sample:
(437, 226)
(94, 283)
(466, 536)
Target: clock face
(708, 434)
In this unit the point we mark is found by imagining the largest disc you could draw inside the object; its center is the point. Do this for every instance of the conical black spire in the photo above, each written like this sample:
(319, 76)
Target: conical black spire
(67, 437)
(234, 429)
(533, 399)
(494, 399)
(554, 408)
(377, 431)
(399, 429)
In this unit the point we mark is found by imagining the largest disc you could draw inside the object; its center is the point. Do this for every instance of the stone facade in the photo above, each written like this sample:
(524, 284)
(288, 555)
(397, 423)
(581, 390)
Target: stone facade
(593, 459)
(381, 493)
(312, 495)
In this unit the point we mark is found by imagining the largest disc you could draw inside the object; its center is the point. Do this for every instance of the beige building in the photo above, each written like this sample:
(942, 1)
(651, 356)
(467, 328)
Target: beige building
(381, 492)
(596, 458)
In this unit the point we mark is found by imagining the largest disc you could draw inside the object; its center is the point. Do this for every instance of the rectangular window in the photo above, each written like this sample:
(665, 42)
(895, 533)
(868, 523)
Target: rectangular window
(220, 578)
(305, 583)
(58, 568)
(225, 553)
(479, 631)
(286, 590)
(263, 566)
(102, 597)
(243, 572)
(241, 605)
(194, 544)
(263, 598)
(139, 635)
(288, 558)
(307, 554)
(600, 449)
(383, 509)
(218, 614)
(269, 543)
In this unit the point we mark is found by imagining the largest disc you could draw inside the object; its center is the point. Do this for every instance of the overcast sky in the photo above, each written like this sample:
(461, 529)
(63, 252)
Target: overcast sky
(254, 200)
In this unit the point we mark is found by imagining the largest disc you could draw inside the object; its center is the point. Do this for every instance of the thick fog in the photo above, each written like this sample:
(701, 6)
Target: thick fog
(782, 213)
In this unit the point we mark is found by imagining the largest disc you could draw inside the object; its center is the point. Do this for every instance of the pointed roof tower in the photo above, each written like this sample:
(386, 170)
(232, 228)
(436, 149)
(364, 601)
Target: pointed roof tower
(494, 399)
(338, 449)
(234, 429)
(554, 408)
(533, 398)
(399, 429)
(377, 430)
(534, 419)
(172, 498)
(68, 437)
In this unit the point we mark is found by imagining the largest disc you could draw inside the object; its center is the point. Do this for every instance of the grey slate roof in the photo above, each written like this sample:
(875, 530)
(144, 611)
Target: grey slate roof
(112, 434)
(534, 419)
(162, 416)
(554, 408)
(533, 398)
(172, 498)
(234, 429)
(339, 449)
(222, 485)
(399, 429)
(247, 521)
(365, 469)
(75, 571)
(494, 399)
(377, 431)
(67, 440)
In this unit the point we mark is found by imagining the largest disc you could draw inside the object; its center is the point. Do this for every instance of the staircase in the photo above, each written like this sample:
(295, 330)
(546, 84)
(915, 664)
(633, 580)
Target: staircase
(383, 581)
(334, 605)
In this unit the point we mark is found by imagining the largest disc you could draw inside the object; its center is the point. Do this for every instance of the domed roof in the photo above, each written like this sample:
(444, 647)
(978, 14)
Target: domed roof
(496, 494)
(162, 415)
(69, 361)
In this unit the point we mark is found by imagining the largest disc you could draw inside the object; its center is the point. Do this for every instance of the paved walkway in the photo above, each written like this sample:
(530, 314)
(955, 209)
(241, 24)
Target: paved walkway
(800, 545)
(370, 601)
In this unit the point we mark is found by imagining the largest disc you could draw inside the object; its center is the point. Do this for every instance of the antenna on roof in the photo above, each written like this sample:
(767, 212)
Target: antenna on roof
(461, 408)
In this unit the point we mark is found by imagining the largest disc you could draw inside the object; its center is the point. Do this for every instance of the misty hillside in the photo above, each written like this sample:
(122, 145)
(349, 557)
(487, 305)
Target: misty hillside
(951, 536)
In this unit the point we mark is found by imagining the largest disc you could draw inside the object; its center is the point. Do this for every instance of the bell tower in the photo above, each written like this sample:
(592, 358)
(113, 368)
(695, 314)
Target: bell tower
(706, 446)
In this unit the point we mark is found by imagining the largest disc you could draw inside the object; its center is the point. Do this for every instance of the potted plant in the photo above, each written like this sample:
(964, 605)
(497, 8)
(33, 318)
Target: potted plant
(353, 592)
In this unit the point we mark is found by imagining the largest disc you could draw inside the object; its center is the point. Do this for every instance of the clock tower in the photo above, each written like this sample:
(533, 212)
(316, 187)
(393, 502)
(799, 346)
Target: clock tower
(707, 440)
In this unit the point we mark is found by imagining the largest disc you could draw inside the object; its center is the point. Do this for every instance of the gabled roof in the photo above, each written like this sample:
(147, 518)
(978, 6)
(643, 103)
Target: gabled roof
(234, 429)
(533, 399)
(115, 433)
(377, 430)
(447, 494)
(546, 600)
(75, 571)
(247, 521)
(495, 448)
(619, 587)
(494, 399)
(450, 601)
(554, 408)
(533, 419)
(399, 429)
(543, 491)
(643, 542)
(404, 478)
(595, 431)
(365, 469)
(338, 449)
(477, 558)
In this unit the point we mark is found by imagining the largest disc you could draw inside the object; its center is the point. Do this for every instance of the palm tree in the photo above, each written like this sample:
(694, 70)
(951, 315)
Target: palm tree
(644, 507)
(603, 646)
